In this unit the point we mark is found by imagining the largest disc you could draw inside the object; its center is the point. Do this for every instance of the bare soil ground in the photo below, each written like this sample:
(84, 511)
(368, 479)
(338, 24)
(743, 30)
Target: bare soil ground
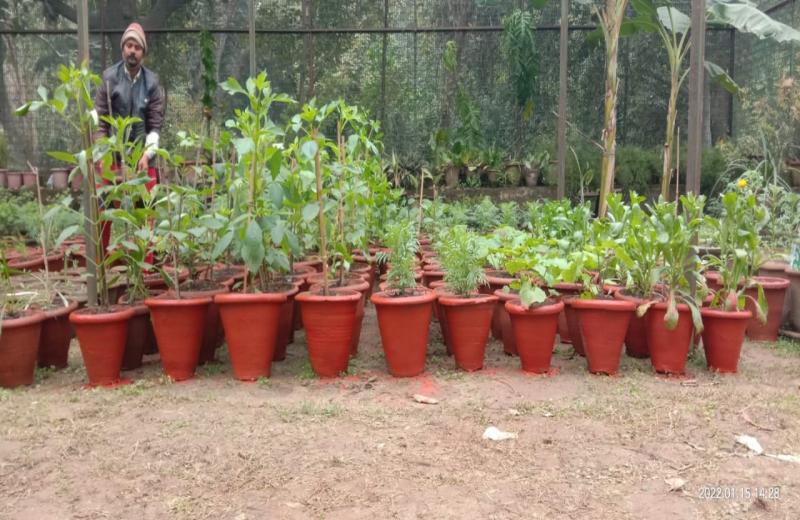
(360, 447)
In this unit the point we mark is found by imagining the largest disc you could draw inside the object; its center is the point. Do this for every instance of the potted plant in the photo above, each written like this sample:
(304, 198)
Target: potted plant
(329, 315)
(534, 315)
(468, 313)
(404, 309)
(673, 312)
(533, 165)
(602, 319)
(251, 318)
(20, 329)
(101, 327)
(726, 317)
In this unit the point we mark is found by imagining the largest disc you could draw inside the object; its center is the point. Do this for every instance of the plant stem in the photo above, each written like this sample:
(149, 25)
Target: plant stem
(320, 202)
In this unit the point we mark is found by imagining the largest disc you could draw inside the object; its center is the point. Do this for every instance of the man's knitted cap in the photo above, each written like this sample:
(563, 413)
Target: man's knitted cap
(136, 33)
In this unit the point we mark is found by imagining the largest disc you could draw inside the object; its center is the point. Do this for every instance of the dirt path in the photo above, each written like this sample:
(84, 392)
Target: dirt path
(359, 447)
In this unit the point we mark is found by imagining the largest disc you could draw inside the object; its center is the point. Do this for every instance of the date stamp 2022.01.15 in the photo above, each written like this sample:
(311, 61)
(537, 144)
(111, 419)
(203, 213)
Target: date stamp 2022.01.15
(736, 492)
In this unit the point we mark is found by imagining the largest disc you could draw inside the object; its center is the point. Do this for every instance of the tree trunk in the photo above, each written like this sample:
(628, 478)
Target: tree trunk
(612, 21)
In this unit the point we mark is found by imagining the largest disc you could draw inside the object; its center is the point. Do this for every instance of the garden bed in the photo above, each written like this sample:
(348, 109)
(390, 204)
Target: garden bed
(297, 447)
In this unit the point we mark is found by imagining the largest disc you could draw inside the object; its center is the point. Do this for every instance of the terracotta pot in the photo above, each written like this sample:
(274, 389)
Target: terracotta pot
(367, 272)
(179, 326)
(669, 348)
(440, 313)
(773, 269)
(251, 329)
(59, 178)
(356, 284)
(213, 335)
(404, 322)
(566, 289)
(102, 339)
(503, 320)
(535, 332)
(302, 283)
(156, 282)
(497, 280)
(713, 280)
(19, 345)
(56, 336)
(573, 325)
(28, 179)
(13, 180)
(3, 179)
(434, 274)
(35, 262)
(794, 298)
(77, 182)
(723, 335)
(315, 263)
(329, 322)
(468, 321)
(141, 339)
(775, 293)
(636, 337)
(603, 325)
(285, 324)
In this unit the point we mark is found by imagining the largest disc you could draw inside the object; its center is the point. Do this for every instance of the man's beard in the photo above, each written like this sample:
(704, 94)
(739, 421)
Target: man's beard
(131, 62)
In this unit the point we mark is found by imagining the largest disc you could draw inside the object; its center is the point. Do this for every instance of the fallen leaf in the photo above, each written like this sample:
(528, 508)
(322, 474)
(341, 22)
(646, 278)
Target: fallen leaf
(675, 484)
(424, 399)
(494, 434)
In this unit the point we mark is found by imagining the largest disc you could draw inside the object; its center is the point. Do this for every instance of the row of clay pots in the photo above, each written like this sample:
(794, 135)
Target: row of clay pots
(59, 178)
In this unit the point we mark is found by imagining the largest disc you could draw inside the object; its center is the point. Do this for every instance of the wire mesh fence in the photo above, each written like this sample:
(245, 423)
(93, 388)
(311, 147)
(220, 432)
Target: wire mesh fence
(386, 56)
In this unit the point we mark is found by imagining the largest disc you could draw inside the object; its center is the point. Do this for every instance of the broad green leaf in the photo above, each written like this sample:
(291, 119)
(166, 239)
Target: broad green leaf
(679, 22)
(221, 245)
(66, 233)
(277, 232)
(747, 18)
(310, 212)
(719, 75)
(253, 247)
(276, 195)
(309, 150)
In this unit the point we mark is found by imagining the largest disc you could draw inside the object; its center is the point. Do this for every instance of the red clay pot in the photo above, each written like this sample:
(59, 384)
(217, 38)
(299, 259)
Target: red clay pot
(535, 332)
(19, 345)
(179, 326)
(102, 339)
(636, 337)
(60, 178)
(285, 324)
(497, 280)
(573, 322)
(314, 263)
(404, 322)
(713, 280)
(440, 313)
(468, 320)
(329, 322)
(3, 181)
(723, 335)
(355, 283)
(14, 180)
(503, 320)
(213, 335)
(603, 325)
(35, 262)
(794, 298)
(668, 348)
(773, 269)
(566, 289)
(251, 327)
(56, 336)
(140, 339)
(775, 293)
(29, 179)
(434, 274)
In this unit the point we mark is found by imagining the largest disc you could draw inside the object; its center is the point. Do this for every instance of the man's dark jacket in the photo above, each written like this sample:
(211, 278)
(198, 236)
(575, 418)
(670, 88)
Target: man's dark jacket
(143, 98)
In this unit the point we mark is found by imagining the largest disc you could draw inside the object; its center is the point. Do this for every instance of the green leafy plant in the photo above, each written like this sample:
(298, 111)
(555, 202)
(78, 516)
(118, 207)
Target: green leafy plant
(461, 260)
(401, 239)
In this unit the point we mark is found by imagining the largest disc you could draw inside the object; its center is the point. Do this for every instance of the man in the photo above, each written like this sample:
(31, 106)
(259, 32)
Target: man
(133, 91)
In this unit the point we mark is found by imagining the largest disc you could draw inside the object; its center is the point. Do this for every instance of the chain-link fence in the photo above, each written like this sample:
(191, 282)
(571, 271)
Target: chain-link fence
(386, 55)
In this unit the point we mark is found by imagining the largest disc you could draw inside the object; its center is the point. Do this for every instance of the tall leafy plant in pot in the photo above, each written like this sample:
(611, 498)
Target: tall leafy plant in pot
(673, 314)
(404, 309)
(726, 317)
(329, 315)
(102, 327)
(468, 313)
(251, 318)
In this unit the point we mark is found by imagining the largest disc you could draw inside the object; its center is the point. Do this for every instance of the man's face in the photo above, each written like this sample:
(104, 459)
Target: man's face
(133, 54)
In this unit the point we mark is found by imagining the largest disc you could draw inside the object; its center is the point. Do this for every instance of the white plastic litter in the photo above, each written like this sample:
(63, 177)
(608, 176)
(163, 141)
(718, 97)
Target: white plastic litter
(494, 434)
(751, 443)
(424, 399)
(675, 484)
